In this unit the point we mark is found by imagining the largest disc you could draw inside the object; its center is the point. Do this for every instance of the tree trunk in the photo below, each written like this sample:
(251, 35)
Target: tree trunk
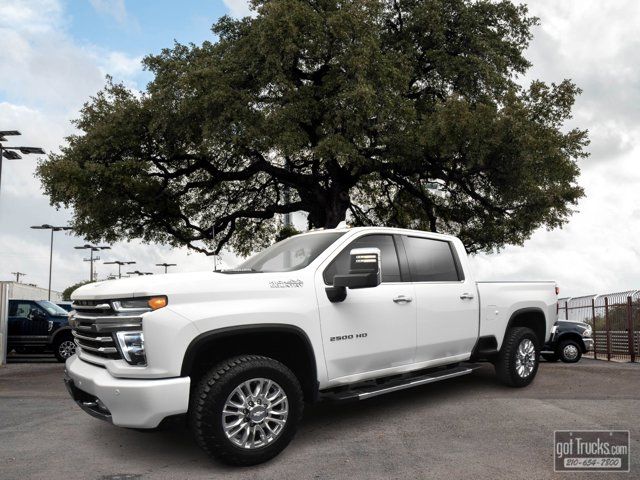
(329, 208)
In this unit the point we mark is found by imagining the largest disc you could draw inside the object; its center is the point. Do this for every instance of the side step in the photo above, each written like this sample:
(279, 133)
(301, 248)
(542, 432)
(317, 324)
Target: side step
(396, 384)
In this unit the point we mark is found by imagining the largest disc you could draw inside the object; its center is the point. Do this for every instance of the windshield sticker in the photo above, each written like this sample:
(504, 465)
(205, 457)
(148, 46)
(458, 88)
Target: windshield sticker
(286, 284)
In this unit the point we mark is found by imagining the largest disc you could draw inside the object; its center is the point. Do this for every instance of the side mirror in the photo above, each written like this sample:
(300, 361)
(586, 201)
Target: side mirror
(37, 315)
(364, 272)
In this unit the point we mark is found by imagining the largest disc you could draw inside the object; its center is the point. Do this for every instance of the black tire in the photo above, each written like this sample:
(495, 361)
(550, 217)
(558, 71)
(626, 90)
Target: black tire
(550, 357)
(212, 392)
(570, 351)
(64, 347)
(506, 364)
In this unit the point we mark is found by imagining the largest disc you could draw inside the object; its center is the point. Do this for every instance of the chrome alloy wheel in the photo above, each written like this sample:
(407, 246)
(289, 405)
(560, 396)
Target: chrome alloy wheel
(525, 358)
(67, 348)
(570, 351)
(255, 413)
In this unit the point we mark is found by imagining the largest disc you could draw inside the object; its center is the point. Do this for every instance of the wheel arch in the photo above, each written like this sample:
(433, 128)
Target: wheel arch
(572, 336)
(533, 318)
(61, 331)
(286, 343)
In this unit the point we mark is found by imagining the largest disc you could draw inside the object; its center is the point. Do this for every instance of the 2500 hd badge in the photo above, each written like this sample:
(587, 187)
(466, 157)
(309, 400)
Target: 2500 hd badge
(347, 337)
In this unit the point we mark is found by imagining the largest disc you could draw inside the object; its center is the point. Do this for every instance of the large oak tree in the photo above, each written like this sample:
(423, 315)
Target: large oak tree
(394, 112)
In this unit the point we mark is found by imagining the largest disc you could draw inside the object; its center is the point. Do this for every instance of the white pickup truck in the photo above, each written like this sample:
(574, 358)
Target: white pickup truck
(341, 314)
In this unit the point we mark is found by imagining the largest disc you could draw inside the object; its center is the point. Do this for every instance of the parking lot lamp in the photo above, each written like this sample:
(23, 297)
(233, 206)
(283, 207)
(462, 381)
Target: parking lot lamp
(166, 265)
(120, 263)
(91, 259)
(46, 226)
(10, 153)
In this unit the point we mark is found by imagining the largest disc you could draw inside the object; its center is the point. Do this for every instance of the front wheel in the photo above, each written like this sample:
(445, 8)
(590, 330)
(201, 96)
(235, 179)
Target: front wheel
(64, 347)
(518, 360)
(246, 409)
(570, 351)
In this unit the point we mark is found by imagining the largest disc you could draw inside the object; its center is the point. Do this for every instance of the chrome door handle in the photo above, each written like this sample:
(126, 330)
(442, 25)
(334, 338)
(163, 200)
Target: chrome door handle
(402, 299)
(466, 296)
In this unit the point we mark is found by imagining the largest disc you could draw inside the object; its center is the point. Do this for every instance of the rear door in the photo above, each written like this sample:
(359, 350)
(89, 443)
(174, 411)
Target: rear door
(373, 329)
(446, 301)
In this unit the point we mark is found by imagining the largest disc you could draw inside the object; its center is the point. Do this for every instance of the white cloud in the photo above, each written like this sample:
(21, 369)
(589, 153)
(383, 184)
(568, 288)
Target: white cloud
(113, 8)
(47, 75)
(239, 8)
(594, 44)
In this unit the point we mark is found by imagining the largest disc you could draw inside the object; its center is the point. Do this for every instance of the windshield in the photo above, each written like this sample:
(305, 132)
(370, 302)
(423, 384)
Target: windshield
(52, 308)
(288, 255)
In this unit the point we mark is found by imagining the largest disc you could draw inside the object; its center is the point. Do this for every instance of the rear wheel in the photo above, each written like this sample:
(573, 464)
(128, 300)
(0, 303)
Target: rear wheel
(518, 360)
(570, 351)
(246, 409)
(64, 347)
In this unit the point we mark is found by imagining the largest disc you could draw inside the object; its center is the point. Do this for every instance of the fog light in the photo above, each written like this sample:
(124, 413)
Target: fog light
(132, 347)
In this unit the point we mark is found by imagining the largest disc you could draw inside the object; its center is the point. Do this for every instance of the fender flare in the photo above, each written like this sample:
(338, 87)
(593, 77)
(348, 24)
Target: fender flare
(524, 311)
(220, 333)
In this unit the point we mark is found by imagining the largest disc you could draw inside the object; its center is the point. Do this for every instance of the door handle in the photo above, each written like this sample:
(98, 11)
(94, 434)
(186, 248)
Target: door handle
(402, 299)
(466, 296)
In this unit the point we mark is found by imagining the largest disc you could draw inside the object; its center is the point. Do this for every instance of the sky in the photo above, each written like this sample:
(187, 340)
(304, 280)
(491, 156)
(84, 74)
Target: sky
(55, 54)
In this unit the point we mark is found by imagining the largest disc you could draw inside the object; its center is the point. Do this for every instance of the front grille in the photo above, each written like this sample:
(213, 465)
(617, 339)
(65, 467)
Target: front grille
(95, 323)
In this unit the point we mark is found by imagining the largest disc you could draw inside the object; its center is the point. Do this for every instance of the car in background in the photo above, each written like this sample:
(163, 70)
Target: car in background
(39, 326)
(65, 305)
(569, 340)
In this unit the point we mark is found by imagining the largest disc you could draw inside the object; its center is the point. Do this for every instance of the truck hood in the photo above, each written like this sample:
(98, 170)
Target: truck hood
(192, 282)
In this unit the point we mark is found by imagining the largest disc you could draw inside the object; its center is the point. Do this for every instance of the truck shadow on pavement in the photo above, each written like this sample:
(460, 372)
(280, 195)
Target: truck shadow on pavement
(322, 422)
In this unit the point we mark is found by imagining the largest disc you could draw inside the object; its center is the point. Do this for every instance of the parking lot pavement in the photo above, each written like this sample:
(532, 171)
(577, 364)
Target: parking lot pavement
(469, 427)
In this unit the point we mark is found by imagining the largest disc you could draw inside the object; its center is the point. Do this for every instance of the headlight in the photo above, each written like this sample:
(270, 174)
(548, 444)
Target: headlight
(587, 332)
(132, 347)
(143, 303)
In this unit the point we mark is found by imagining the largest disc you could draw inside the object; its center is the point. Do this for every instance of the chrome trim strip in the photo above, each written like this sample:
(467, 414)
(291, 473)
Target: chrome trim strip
(107, 317)
(92, 339)
(100, 349)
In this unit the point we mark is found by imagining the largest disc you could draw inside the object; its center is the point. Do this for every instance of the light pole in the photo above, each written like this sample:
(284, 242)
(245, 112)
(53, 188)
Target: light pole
(166, 265)
(139, 273)
(10, 152)
(18, 275)
(92, 248)
(120, 263)
(46, 226)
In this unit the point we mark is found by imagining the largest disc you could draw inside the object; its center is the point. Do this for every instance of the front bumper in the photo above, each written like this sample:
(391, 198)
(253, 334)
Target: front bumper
(125, 402)
(588, 344)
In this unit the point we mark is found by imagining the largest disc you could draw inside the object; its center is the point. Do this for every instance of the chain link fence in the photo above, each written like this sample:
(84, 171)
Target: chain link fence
(615, 319)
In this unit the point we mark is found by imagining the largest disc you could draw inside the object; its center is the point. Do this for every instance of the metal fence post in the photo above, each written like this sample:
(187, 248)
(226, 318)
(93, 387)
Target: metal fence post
(595, 331)
(606, 324)
(632, 351)
(566, 309)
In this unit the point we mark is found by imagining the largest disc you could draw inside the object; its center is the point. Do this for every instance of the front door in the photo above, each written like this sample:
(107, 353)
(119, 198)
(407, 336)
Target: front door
(446, 301)
(27, 322)
(373, 329)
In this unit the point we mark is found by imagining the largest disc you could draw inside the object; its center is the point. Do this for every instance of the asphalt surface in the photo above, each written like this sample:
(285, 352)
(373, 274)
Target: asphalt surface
(468, 427)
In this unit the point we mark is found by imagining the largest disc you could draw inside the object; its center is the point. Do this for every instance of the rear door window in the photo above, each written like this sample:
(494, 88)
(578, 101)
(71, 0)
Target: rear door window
(431, 260)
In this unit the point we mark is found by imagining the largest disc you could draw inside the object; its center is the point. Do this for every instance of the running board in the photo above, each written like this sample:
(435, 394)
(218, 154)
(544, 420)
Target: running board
(395, 385)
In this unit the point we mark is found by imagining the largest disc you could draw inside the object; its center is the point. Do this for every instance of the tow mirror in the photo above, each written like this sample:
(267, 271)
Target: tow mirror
(364, 272)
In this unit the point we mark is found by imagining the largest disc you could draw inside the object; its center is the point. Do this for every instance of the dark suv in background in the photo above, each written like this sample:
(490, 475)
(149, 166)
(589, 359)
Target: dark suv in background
(38, 326)
(569, 340)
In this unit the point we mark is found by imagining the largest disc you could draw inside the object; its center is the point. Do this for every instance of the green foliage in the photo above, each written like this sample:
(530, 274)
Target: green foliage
(402, 113)
(286, 231)
(66, 293)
